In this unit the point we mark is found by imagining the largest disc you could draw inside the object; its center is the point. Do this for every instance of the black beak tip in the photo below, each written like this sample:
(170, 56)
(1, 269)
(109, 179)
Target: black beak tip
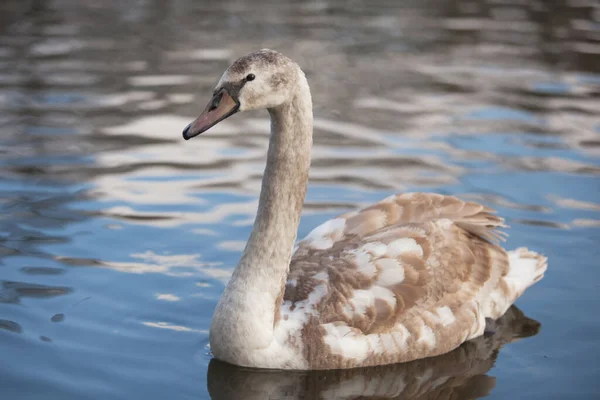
(186, 132)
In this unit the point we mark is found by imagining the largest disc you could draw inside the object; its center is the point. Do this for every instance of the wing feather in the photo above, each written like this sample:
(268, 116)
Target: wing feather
(408, 208)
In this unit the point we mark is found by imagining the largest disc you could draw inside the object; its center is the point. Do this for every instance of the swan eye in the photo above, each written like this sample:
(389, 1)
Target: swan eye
(250, 77)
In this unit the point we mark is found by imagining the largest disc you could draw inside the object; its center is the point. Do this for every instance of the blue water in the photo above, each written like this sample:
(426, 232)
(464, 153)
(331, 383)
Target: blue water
(117, 237)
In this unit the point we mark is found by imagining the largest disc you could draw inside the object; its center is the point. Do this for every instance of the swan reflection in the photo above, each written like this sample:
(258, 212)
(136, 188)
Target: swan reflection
(460, 374)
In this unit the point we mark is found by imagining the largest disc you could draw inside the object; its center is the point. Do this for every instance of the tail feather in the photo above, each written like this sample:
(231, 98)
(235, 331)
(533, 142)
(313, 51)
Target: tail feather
(525, 268)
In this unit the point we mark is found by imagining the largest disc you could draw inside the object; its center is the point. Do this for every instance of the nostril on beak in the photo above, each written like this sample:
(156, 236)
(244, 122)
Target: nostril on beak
(215, 102)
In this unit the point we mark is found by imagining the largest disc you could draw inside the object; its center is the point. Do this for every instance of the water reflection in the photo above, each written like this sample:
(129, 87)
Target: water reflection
(460, 374)
(10, 326)
(13, 292)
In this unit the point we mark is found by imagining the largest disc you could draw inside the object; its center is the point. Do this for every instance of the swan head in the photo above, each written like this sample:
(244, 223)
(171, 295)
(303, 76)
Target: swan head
(263, 79)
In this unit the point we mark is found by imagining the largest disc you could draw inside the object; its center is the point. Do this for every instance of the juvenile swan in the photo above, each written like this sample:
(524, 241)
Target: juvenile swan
(412, 276)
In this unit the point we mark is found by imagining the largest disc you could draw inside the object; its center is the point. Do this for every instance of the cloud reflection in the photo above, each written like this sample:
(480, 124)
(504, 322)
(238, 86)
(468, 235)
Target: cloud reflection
(181, 265)
(167, 297)
(177, 328)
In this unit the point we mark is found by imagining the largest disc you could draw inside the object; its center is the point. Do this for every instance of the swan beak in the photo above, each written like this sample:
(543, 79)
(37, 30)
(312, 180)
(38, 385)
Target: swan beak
(220, 107)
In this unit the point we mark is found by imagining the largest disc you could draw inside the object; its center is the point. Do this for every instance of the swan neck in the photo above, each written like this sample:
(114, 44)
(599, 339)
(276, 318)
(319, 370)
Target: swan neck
(283, 187)
(248, 310)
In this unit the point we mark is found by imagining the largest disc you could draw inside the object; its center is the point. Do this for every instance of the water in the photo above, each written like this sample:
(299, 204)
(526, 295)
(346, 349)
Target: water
(116, 236)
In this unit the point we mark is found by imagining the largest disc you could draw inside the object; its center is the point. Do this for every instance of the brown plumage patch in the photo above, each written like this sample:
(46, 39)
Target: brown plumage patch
(447, 260)
(278, 80)
(261, 57)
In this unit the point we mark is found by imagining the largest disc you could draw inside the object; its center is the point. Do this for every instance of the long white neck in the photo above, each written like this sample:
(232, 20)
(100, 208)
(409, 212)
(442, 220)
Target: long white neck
(245, 315)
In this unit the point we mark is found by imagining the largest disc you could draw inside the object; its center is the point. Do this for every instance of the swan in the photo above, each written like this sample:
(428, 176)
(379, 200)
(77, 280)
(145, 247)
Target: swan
(412, 276)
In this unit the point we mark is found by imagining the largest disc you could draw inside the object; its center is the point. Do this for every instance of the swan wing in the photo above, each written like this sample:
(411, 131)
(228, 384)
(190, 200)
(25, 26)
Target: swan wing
(402, 279)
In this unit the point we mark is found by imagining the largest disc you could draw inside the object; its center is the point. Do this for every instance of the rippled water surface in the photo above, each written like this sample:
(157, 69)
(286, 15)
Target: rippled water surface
(117, 237)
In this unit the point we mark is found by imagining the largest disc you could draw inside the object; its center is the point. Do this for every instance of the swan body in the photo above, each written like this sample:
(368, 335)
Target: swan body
(412, 276)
